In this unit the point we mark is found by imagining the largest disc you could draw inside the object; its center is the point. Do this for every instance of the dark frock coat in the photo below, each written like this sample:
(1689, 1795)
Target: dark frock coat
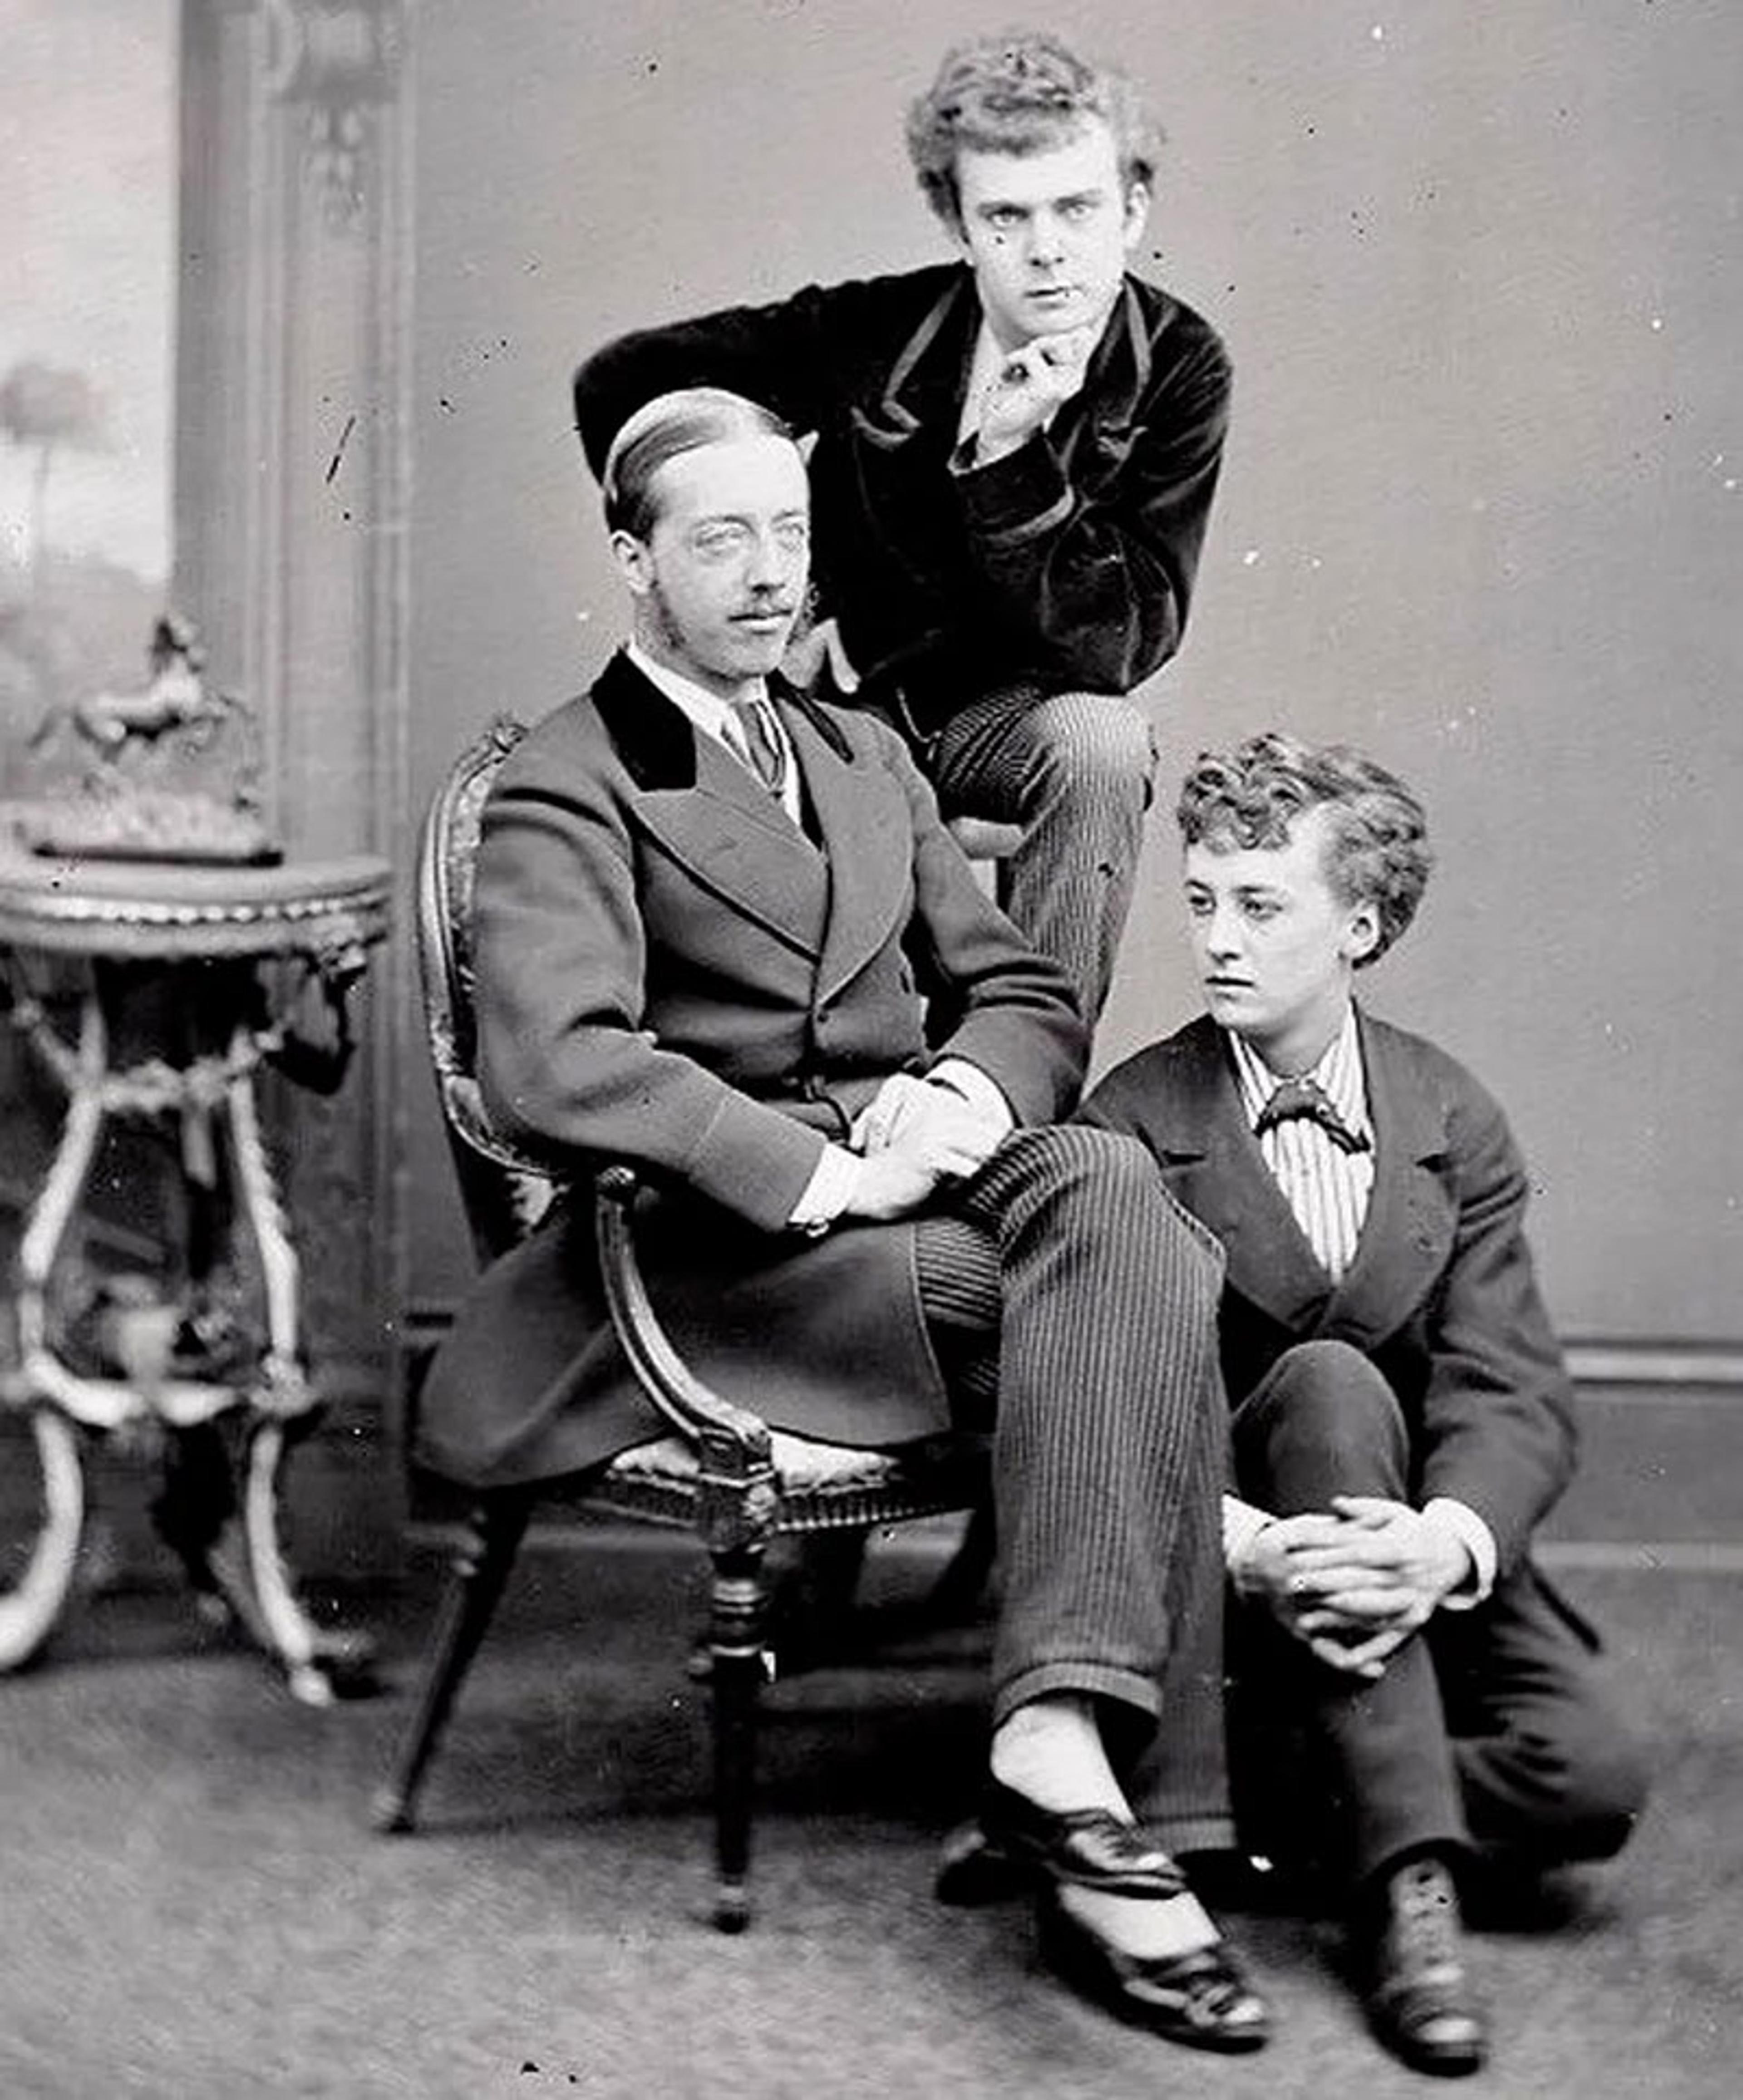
(671, 974)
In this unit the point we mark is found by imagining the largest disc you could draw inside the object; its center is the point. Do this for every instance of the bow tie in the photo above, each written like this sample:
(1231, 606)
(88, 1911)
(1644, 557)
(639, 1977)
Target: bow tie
(1305, 1099)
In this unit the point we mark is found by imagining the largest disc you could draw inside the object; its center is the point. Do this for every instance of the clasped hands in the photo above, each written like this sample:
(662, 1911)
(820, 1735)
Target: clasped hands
(1355, 1583)
(912, 1135)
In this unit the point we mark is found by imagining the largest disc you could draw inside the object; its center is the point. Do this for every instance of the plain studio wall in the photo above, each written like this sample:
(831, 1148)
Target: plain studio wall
(1478, 266)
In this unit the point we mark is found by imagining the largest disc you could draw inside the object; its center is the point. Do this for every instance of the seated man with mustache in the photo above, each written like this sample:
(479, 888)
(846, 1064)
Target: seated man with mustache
(722, 934)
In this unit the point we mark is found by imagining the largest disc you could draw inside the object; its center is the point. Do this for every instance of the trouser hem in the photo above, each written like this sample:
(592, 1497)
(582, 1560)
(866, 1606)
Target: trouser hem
(1199, 1833)
(1096, 1680)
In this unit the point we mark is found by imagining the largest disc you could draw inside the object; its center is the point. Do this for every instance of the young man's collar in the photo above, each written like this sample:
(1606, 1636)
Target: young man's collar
(1338, 1074)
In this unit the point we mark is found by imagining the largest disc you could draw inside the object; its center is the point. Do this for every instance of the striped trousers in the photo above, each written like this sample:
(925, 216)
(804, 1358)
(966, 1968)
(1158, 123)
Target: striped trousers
(1065, 1276)
(1075, 770)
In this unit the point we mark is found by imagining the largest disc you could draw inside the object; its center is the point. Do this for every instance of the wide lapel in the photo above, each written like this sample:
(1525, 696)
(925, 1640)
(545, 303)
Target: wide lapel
(1106, 403)
(706, 811)
(1211, 1161)
(868, 833)
(924, 390)
(1411, 1223)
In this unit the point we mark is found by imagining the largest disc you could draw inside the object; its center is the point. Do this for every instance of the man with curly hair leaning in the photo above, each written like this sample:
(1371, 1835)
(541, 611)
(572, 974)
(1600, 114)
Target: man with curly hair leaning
(1015, 457)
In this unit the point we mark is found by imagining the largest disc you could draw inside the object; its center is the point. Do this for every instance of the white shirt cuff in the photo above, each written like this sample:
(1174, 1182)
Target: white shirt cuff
(827, 1195)
(983, 1094)
(1243, 1522)
(1462, 1523)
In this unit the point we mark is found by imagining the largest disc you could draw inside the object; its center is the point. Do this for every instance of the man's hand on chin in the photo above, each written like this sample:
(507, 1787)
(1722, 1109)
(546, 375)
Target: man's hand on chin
(1036, 379)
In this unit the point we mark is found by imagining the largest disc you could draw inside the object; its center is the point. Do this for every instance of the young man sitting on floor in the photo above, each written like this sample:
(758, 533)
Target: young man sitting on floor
(1402, 1420)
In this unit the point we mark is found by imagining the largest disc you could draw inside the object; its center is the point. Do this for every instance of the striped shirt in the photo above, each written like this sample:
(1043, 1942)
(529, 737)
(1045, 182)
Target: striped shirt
(1326, 1187)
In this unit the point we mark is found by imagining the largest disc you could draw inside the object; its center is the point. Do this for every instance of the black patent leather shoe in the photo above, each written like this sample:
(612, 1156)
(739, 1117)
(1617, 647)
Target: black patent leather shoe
(1201, 1999)
(1091, 1847)
(1418, 1997)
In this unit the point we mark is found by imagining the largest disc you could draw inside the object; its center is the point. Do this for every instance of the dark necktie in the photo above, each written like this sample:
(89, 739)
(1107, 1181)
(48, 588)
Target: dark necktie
(762, 749)
(1304, 1099)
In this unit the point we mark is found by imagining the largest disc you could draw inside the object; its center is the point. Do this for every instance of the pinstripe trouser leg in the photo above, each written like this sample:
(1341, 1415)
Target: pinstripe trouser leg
(1075, 770)
(1108, 1448)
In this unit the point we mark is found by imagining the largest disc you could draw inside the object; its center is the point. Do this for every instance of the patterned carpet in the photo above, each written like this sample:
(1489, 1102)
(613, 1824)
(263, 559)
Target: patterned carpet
(195, 1909)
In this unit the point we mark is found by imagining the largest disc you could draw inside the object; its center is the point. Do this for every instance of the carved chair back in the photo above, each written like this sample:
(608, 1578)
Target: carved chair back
(504, 1194)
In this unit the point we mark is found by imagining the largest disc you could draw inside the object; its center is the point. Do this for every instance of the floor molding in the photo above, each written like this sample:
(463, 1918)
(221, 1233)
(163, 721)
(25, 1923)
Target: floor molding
(1670, 1556)
(1716, 1365)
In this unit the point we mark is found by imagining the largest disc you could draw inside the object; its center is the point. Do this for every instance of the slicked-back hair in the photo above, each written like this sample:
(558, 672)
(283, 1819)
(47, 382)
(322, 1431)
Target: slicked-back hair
(664, 429)
(1022, 92)
(1377, 852)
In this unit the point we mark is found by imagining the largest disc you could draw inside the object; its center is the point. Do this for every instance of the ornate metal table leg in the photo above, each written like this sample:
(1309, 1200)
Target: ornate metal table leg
(37, 1572)
(62, 1187)
(261, 1590)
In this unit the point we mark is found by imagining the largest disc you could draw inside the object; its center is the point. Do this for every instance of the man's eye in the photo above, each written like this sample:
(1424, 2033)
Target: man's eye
(793, 537)
(1077, 209)
(1200, 908)
(1002, 218)
(718, 540)
(1260, 907)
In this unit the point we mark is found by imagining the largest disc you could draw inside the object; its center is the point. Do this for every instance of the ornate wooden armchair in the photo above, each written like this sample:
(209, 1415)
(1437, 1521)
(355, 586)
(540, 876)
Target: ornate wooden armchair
(721, 1472)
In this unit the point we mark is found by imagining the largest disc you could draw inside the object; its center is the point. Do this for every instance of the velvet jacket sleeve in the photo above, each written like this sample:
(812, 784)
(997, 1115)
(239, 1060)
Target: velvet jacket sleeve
(1088, 540)
(799, 356)
(1071, 559)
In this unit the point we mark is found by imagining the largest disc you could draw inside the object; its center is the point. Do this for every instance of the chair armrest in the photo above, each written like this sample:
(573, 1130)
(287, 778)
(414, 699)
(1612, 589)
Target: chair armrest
(736, 1447)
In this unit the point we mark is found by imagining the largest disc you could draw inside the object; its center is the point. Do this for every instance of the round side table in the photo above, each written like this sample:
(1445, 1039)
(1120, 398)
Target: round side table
(168, 970)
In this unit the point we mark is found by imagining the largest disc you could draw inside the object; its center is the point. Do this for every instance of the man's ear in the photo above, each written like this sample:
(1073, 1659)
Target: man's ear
(1137, 212)
(633, 562)
(1361, 936)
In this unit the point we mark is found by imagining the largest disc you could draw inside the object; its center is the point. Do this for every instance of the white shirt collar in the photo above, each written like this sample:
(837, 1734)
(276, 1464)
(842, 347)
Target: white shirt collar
(1338, 1074)
(711, 714)
(706, 710)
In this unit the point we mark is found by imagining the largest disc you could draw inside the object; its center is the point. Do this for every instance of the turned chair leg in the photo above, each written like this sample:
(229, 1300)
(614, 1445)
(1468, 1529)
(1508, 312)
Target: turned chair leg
(481, 1568)
(739, 1609)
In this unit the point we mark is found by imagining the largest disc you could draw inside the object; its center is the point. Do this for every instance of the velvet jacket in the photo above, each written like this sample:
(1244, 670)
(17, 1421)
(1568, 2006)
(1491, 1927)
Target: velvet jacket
(1067, 565)
(1441, 1294)
(670, 973)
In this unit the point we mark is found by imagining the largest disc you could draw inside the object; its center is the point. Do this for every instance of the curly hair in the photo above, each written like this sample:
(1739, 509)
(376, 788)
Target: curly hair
(1022, 92)
(661, 429)
(1378, 852)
